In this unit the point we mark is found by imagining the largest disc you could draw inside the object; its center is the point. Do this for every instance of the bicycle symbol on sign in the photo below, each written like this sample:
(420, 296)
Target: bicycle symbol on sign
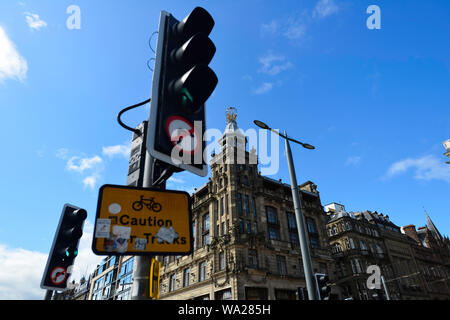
(149, 203)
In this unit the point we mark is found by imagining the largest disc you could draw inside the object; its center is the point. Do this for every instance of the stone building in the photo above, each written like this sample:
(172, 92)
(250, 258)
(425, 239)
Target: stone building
(361, 239)
(245, 234)
(355, 245)
(431, 253)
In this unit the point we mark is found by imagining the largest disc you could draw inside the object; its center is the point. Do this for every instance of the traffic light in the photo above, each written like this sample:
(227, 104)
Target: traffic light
(155, 269)
(323, 286)
(64, 248)
(182, 83)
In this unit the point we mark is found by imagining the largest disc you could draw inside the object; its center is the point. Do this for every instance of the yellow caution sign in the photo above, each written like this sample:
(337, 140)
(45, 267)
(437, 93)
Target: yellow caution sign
(155, 270)
(138, 221)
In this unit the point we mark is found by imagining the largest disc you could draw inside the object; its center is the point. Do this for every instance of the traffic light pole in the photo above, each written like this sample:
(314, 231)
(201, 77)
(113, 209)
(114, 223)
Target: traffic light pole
(141, 277)
(306, 257)
(48, 295)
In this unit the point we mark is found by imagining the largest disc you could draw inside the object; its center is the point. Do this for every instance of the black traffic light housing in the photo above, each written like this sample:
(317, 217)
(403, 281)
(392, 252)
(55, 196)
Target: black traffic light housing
(323, 286)
(64, 249)
(182, 83)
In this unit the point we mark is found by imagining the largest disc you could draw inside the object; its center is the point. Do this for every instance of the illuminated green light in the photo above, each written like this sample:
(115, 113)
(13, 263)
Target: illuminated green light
(186, 97)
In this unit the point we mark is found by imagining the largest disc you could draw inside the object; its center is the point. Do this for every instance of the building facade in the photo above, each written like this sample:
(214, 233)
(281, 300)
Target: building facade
(431, 253)
(245, 235)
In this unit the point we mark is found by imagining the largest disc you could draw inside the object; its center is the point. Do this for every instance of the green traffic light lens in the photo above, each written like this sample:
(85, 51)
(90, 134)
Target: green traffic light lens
(186, 97)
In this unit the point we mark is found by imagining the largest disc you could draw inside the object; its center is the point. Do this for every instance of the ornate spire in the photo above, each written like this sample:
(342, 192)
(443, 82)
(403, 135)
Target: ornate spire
(432, 227)
(232, 126)
(231, 114)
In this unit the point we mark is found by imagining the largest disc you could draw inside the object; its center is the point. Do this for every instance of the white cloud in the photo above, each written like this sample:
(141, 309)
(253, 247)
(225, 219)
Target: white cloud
(91, 181)
(62, 153)
(121, 150)
(273, 64)
(295, 30)
(425, 168)
(83, 163)
(353, 161)
(12, 64)
(21, 273)
(270, 28)
(265, 87)
(34, 22)
(175, 180)
(21, 270)
(325, 8)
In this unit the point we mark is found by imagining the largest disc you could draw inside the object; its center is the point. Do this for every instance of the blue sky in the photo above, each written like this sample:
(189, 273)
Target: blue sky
(375, 103)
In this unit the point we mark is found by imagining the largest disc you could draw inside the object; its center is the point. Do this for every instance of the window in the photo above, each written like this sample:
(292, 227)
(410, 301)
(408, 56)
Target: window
(222, 264)
(272, 216)
(313, 235)
(241, 226)
(252, 258)
(249, 227)
(112, 261)
(311, 225)
(193, 234)
(127, 267)
(226, 203)
(281, 265)
(186, 273)
(352, 244)
(247, 204)
(255, 228)
(172, 282)
(205, 234)
(314, 242)
(337, 248)
(224, 295)
(202, 271)
(222, 206)
(109, 277)
(292, 224)
(254, 206)
(239, 204)
(362, 245)
(274, 233)
(222, 227)
(379, 250)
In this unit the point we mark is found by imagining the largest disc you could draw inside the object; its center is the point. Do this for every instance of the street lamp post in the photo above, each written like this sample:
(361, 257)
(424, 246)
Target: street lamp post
(306, 256)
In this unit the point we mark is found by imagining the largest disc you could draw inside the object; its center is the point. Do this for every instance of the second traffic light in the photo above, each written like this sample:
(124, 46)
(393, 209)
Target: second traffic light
(182, 83)
(323, 286)
(64, 249)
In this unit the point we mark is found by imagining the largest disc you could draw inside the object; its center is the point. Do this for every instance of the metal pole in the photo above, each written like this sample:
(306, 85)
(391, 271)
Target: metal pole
(306, 257)
(48, 295)
(141, 277)
(385, 288)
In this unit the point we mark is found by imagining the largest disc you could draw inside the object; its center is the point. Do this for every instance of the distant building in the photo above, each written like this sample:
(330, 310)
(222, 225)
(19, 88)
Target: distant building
(431, 252)
(361, 239)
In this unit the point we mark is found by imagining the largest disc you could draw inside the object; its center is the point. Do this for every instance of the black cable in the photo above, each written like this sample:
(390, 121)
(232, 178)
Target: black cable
(138, 132)
(150, 41)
